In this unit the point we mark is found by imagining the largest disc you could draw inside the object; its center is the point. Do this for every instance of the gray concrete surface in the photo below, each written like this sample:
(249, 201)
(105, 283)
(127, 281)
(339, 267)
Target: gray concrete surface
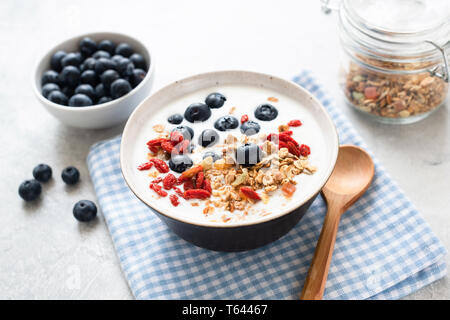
(44, 252)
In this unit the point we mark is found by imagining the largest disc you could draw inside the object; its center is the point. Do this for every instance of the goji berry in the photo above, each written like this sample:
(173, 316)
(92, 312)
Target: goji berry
(167, 146)
(294, 123)
(178, 191)
(160, 165)
(176, 137)
(196, 194)
(200, 179)
(157, 180)
(158, 189)
(289, 132)
(250, 193)
(305, 150)
(207, 185)
(273, 137)
(288, 189)
(174, 200)
(182, 147)
(282, 144)
(244, 118)
(169, 181)
(153, 149)
(287, 138)
(293, 148)
(145, 166)
(156, 142)
(188, 184)
(191, 172)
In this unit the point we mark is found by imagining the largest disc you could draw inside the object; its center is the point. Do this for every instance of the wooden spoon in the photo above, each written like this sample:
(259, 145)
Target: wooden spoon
(351, 177)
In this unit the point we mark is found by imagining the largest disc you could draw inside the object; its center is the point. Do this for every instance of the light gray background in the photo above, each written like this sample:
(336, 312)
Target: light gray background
(44, 251)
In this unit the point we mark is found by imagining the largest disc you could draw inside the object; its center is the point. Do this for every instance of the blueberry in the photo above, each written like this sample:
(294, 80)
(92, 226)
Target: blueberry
(71, 59)
(70, 175)
(70, 76)
(212, 154)
(125, 67)
(138, 61)
(101, 54)
(250, 128)
(208, 138)
(107, 45)
(186, 131)
(215, 100)
(87, 46)
(85, 210)
(266, 112)
(88, 64)
(119, 88)
(124, 49)
(50, 76)
(80, 100)
(30, 190)
(226, 123)
(49, 87)
(100, 91)
(116, 58)
(68, 91)
(103, 64)
(137, 76)
(55, 61)
(108, 77)
(180, 162)
(104, 100)
(248, 154)
(42, 172)
(86, 89)
(197, 112)
(58, 97)
(89, 77)
(175, 118)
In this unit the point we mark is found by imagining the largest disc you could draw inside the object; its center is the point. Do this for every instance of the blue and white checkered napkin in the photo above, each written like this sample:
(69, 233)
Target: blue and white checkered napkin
(384, 248)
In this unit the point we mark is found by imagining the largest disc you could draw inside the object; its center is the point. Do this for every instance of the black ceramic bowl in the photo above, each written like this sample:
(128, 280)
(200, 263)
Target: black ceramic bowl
(318, 131)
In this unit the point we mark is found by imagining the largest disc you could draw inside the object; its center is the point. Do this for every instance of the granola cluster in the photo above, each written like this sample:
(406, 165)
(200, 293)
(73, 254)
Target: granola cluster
(394, 95)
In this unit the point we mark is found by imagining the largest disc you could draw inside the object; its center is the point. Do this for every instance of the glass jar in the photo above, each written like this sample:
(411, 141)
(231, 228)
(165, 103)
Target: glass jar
(395, 57)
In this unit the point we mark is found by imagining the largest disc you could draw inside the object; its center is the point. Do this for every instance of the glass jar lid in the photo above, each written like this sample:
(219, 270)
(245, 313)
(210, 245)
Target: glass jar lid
(404, 31)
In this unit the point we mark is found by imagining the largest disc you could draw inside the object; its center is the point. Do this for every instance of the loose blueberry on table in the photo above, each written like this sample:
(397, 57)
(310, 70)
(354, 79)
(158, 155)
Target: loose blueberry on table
(243, 159)
(117, 67)
(85, 210)
(30, 190)
(42, 172)
(70, 175)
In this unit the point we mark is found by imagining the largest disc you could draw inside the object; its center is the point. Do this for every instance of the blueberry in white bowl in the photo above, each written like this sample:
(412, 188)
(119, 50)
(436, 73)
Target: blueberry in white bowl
(83, 60)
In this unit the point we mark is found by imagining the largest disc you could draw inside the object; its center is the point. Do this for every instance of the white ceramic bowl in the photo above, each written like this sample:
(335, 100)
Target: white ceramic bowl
(97, 116)
(238, 235)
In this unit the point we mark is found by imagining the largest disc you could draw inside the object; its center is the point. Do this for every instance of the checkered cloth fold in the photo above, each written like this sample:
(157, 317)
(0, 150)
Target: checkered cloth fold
(384, 248)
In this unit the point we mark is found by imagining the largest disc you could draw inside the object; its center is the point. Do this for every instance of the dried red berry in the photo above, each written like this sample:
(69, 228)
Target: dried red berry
(145, 166)
(160, 165)
(196, 194)
(188, 184)
(305, 150)
(153, 149)
(169, 181)
(158, 189)
(293, 148)
(178, 191)
(167, 146)
(200, 179)
(287, 138)
(174, 200)
(156, 142)
(207, 185)
(250, 193)
(176, 137)
(282, 144)
(294, 123)
(157, 180)
(244, 118)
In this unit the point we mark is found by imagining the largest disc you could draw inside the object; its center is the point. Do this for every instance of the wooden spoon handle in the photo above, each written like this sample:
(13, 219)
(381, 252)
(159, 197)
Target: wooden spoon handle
(318, 270)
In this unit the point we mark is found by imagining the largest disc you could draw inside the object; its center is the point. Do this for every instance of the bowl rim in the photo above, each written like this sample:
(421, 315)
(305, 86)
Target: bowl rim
(245, 223)
(39, 61)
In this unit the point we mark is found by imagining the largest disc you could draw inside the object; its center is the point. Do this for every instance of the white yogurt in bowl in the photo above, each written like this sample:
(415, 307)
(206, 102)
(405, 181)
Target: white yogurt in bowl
(244, 91)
